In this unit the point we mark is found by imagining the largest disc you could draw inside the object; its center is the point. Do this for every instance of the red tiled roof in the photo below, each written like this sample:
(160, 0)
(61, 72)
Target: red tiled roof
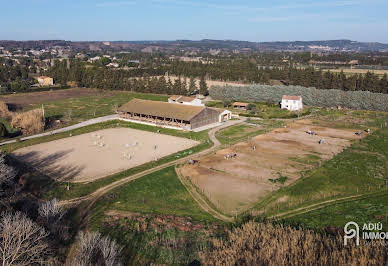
(288, 97)
(240, 104)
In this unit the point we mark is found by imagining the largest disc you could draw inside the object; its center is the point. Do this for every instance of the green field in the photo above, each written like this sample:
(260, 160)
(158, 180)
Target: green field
(360, 169)
(373, 209)
(158, 193)
(79, 109)
(236, 133)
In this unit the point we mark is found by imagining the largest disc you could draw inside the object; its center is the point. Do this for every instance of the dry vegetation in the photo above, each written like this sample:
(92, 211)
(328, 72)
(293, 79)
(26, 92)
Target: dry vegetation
(4, 112)
(30, 122)
(267, 244)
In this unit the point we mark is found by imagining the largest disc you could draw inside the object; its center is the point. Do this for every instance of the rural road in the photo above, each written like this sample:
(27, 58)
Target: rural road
(93, 197)
(65, 129)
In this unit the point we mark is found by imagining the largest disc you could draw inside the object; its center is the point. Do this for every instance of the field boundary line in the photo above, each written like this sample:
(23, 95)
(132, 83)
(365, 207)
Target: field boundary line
(320, 205)
(200, 199)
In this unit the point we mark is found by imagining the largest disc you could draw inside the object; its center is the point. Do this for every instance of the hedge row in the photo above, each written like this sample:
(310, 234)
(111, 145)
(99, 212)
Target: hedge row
(363, 100)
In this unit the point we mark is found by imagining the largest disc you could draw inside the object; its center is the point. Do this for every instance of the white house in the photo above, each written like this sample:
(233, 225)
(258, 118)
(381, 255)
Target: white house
(292, 103)
(185, 100)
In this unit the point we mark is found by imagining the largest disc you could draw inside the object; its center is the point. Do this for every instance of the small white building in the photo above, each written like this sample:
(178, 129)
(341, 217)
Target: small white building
(225, 116)
(185, 100)
(292, 103)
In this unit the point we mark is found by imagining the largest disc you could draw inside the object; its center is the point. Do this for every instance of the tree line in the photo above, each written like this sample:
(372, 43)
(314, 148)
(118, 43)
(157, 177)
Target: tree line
(145, 80)
(244, 70)
(247, 71)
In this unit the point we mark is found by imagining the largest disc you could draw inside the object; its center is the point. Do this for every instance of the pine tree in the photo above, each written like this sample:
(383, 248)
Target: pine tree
(203, 89)
(192, 86)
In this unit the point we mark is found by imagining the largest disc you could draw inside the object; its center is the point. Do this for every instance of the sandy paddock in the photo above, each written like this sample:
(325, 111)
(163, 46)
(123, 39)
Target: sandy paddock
(237, 183)
(94, 155)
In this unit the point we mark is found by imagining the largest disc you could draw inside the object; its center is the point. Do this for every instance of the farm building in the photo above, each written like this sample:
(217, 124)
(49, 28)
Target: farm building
(186, 117)
(45, 81)
(239, 105)
(292, 103)
(185, 100)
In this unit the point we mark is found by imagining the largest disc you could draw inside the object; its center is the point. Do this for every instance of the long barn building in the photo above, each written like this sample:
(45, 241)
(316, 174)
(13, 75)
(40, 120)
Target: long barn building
(172, 115)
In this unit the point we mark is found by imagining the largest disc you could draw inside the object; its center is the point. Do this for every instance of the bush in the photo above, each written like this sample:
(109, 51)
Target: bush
(4, 112)
(3, 130)
(363, 100)
(227, 103)
(30, 122)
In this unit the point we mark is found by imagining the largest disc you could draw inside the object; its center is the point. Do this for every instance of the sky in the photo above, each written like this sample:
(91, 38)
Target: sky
(276, 20)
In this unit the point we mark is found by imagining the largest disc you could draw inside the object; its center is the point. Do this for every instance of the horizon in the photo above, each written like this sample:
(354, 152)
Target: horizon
(150, 20)
(191, 40)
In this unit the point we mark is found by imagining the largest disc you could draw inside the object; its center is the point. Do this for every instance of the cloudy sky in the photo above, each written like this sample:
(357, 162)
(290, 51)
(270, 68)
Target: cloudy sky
(275, 20)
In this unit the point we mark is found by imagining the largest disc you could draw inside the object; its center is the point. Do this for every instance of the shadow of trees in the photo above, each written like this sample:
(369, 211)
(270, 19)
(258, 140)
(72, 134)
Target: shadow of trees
(37, 173)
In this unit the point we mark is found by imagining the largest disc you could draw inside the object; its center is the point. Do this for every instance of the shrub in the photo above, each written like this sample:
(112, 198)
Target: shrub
(30, 122)
(267, 244)
(3, 130)
(4, 112)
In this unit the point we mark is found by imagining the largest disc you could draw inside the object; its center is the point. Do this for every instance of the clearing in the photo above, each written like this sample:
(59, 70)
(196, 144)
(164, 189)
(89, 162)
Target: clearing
(91, 156)
(235, 184)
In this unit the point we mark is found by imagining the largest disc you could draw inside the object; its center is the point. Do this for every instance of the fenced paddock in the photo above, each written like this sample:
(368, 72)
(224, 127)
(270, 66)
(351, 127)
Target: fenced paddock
(91, 156)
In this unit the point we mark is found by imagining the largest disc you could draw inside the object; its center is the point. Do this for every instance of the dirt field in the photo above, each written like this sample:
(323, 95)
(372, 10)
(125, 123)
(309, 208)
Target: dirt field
(237, 183)
(94, 155)
(25, 99)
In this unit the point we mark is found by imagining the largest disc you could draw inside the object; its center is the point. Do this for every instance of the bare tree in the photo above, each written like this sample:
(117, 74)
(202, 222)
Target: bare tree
(22, 242)
(51, 211)
(7, 173)
(110, 251)
(96, 250)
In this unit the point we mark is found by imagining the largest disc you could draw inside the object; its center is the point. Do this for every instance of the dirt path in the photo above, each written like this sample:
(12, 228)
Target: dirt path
(320, 205)
(200, 199)
(93, 197)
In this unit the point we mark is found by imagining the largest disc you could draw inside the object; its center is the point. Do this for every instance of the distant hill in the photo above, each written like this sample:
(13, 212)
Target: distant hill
(204, 45)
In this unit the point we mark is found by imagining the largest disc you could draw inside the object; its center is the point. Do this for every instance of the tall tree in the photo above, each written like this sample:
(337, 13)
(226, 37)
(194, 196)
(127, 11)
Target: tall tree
(203, 89)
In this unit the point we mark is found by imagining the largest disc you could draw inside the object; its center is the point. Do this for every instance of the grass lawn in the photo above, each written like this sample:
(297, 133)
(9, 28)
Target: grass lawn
(241, 132)
(74, 110)
(361, 168)
(158, 193)
(373, 209)
(236, 133)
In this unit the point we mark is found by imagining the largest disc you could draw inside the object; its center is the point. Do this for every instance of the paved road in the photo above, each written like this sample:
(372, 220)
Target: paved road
(65, 129)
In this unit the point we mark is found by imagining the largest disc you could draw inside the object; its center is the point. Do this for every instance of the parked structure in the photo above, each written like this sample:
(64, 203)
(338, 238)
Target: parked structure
(185, 100)
(45, 81)
(174, 115)
(240, 105)
(292, 103)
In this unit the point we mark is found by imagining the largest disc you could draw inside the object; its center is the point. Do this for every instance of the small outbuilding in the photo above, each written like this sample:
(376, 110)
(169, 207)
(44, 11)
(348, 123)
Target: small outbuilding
(45, 81)
(292, 103)
(240, 105)
(185, 100)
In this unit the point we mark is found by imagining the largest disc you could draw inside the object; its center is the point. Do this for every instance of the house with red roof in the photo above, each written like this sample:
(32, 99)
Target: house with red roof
(292, 103)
